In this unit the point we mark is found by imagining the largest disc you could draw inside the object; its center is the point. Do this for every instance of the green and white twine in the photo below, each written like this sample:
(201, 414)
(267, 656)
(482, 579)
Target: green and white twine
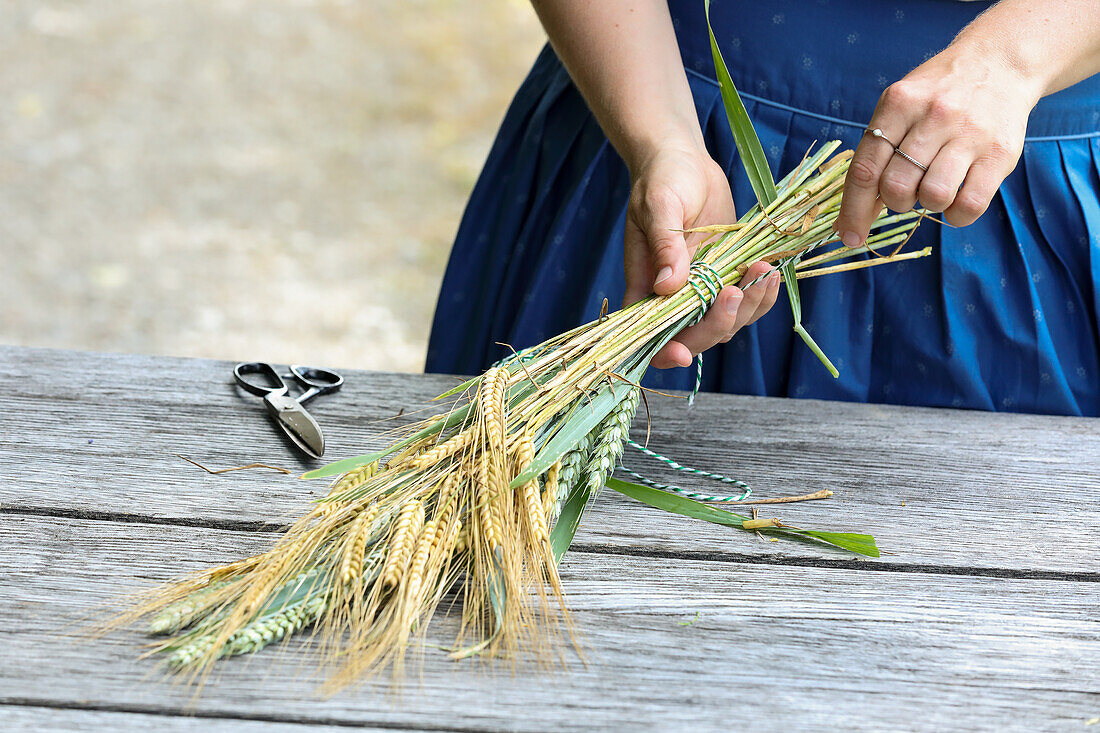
(745, 488)
(598, 453)
(594, 457)
(707, 283)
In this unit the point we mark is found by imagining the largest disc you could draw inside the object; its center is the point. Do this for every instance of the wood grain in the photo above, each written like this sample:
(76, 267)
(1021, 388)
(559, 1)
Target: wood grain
(80, 719)
(671, 645)
(969, 491)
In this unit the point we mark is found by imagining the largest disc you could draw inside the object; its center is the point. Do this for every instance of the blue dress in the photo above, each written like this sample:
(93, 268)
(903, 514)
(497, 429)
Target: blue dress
(1003, 316)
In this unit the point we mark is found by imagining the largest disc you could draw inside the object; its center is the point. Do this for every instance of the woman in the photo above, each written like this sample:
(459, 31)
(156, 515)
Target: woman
(1000, 131)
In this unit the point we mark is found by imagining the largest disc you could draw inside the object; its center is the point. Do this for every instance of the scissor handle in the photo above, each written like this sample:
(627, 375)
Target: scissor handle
(265, 370)
(319, 381)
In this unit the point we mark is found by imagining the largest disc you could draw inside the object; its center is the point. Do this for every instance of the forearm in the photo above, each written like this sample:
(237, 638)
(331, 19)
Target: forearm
(1051, 44)
(622, 55)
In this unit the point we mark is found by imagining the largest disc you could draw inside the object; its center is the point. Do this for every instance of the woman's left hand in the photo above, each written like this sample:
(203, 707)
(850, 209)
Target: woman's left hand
(963, 114)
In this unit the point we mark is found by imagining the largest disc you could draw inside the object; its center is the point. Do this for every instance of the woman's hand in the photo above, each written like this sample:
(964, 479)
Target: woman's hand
(963, 114)
(624, 58)
(677, 188)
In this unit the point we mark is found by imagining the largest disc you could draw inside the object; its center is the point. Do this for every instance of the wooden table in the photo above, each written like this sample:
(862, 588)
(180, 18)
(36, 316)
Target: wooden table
(981, 613)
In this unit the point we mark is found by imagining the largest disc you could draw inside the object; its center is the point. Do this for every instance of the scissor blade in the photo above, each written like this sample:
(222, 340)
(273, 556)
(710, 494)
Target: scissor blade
(298, 424)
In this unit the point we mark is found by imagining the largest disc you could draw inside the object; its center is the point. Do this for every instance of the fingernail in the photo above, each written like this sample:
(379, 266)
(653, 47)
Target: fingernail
(850, 239)
(663, 274)
(733, 302)
(773, 280)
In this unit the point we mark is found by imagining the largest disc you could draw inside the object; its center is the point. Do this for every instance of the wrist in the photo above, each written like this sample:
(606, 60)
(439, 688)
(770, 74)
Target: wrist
(683, 139)
(1018, 60)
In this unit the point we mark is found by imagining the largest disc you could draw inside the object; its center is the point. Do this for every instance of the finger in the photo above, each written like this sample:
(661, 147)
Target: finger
(731, 310)
(859, 205)
(981, 183)
(717, 325)
(901, 179)
(662, 219)
(674, 354)
(945, 177)
(636, 264)
(771, 294)
(754, 293)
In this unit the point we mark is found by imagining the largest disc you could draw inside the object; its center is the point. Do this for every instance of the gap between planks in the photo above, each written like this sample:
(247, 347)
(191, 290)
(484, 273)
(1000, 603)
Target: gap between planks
(222, 715)
(601, 549)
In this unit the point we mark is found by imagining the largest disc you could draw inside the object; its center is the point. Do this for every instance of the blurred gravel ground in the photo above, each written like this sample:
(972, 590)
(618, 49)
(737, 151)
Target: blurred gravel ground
(243, 179)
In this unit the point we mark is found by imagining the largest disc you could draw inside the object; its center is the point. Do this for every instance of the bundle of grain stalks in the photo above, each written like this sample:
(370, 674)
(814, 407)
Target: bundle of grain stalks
(483, 499)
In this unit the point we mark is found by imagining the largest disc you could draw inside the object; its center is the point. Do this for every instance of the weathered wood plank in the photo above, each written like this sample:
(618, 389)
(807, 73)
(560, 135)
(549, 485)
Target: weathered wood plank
(937, 487)
(671, 644)
(100, 432)
(31, 718)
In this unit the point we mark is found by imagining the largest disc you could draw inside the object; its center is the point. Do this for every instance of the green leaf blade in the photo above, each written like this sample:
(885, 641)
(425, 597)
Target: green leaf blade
(568, 522)
(809, 341)
(791, 281)
(861, 544)
(459, 388)
(760, 175)
(744, 135)
(584, 418)
(675, 504)
(350, 464)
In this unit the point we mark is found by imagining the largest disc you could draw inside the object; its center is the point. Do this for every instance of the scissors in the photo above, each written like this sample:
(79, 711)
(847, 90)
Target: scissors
(285, 410)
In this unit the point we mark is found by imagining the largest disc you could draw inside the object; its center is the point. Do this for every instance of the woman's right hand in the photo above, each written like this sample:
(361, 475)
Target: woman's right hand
(680, 187)
(623, 56)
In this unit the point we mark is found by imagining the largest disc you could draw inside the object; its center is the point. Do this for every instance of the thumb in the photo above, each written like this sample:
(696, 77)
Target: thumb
(636, 264)
(668, 251)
